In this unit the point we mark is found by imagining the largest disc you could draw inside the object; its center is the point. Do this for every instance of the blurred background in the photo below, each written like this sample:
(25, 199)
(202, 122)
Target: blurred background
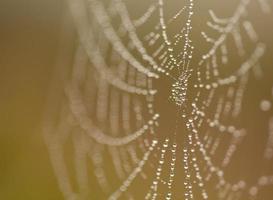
(29, 37)
(29, 46)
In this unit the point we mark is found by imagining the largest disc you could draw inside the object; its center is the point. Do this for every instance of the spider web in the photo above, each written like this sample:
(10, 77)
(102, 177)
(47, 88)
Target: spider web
(146, 112)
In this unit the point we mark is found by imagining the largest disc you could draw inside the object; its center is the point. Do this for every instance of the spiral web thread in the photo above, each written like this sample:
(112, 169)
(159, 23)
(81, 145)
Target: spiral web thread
(108, 109)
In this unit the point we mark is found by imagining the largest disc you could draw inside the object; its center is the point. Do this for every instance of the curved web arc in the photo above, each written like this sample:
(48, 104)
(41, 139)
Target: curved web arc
(110, 109)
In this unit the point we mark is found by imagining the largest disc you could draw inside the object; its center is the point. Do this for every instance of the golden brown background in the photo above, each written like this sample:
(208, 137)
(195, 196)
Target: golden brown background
(29, 41)
(29, 32)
